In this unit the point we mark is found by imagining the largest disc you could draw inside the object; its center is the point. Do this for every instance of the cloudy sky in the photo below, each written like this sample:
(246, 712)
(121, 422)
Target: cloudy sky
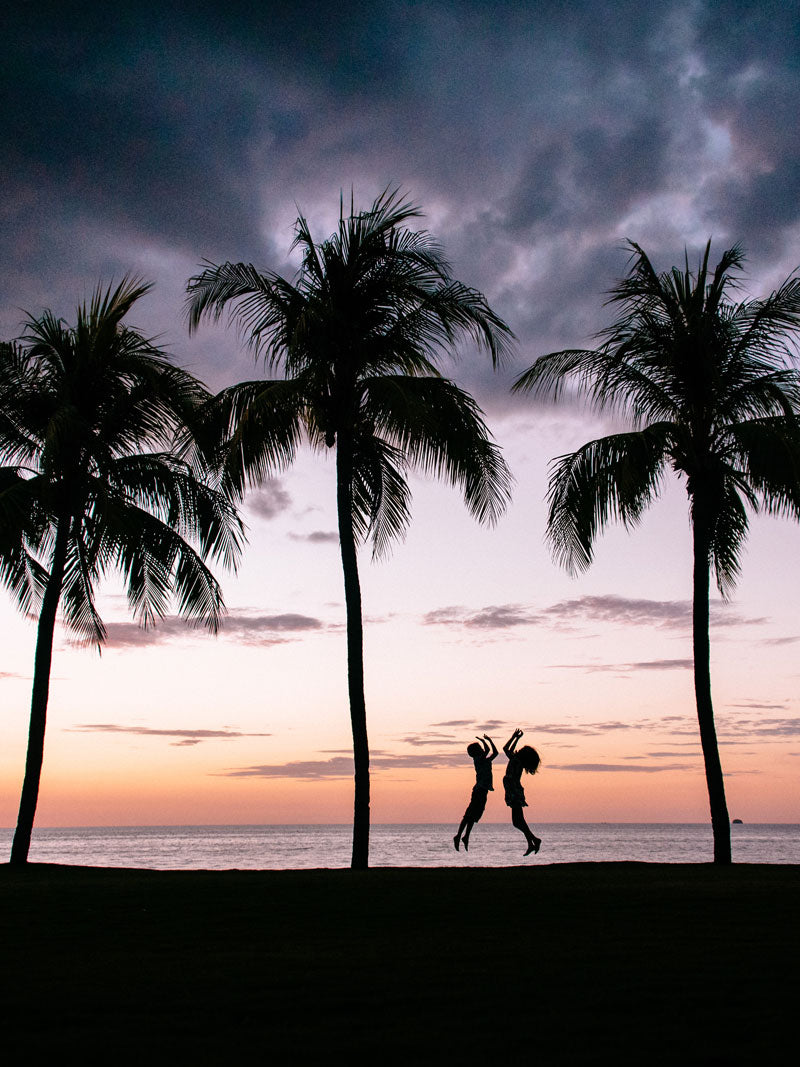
(537, 137)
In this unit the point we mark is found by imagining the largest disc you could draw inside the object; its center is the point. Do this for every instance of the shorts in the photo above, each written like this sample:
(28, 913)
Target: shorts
(477, 804)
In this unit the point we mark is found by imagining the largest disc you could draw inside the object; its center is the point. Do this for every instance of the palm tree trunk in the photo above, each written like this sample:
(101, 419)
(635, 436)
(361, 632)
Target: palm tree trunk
(701, 640)
(355, 652)
(39, 696)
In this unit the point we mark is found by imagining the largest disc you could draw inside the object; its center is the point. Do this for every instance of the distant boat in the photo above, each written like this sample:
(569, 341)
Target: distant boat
(737, 820)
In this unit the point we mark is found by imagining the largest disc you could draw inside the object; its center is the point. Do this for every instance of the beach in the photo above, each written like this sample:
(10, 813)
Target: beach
(572, 963)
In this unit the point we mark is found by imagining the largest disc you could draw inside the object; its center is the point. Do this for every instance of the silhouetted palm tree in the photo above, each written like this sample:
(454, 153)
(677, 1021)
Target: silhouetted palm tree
(711, 391)
(80, 496)
(358, 333)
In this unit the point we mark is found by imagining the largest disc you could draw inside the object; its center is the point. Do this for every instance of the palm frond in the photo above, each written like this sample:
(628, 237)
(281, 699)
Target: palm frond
(766, 452)
(77, 594)
(381, 496)
(612, 478)
(729, 533)
(440, 429)
(21, 536)
(253, 431)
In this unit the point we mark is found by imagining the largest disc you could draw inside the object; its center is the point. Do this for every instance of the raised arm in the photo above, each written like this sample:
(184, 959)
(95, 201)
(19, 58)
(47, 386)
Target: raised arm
(511, 744)
(486, 749)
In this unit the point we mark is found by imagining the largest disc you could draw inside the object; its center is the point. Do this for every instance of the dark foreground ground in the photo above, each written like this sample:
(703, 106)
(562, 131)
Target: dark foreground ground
(572, 963)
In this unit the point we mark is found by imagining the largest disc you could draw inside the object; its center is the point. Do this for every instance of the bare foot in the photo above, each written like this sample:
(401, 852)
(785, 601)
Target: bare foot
(534, 845)
(465, 843)
(455, 841)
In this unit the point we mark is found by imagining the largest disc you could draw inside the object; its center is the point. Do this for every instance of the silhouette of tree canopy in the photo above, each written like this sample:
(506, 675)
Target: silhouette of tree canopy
(88, 485)
(711, 389)
(358, 333)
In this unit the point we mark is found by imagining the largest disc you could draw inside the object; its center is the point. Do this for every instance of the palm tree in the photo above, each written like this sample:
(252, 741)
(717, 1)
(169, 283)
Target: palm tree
(82, 410)
(709, 387)
(358, 333)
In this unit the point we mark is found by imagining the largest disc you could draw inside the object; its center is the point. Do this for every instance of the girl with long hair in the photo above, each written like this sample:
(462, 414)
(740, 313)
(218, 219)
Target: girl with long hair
(524, 759)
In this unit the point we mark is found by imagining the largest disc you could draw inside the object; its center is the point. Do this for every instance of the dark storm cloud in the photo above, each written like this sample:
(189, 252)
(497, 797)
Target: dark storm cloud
(536, 136)
(184, 737)
(750, 85)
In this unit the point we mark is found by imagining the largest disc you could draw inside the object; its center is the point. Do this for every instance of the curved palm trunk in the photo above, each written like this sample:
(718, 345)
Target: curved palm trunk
(701, 643)
(355, 653)
(39, 696)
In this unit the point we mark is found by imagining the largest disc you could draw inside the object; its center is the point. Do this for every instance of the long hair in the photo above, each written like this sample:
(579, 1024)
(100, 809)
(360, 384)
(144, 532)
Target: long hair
(529, 758)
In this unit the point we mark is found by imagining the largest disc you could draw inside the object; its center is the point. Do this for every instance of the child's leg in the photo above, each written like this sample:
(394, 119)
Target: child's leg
(464, 823)
(518, 819)
(467, 832)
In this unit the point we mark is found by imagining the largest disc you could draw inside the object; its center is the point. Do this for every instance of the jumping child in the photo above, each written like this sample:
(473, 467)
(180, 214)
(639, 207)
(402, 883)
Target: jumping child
(526, 759)
(482, 752)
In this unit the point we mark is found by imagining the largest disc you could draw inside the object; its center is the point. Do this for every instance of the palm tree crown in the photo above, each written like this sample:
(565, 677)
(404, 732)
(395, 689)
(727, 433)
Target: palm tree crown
(712, 391)
(87, 416)
(358, 334)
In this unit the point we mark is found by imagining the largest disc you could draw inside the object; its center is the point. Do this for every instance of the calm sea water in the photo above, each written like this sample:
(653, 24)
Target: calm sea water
(411, 845)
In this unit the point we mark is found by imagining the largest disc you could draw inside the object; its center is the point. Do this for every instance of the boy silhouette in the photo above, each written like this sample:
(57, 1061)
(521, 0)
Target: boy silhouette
(482, 751)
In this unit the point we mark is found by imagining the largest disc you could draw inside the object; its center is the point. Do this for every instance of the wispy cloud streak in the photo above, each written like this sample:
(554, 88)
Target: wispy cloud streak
(610, 608)
(244, 628)
(184, 737)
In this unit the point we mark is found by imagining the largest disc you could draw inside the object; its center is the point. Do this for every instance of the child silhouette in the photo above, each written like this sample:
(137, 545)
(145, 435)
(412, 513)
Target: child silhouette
(482, 751)
(526, 759)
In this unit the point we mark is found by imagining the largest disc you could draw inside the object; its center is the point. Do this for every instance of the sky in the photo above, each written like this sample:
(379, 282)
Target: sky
(537, 138)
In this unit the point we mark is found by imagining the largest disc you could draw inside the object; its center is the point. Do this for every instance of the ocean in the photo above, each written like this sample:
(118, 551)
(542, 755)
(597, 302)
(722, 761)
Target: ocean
(220, 848)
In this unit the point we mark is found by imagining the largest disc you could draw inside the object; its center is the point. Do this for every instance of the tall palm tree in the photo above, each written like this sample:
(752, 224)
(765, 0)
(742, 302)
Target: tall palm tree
(358, 333)
(710, 388)
(82, 489)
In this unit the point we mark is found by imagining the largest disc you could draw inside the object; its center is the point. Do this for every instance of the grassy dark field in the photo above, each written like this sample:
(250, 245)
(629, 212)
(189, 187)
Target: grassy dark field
(572, 963)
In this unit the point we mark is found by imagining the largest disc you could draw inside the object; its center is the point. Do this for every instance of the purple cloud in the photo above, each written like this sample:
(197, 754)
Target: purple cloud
(317, 537)
(643, 768)
(759, 728)
(270, 500)
(627, 668)
(494, 617)
(341, 766)
(184, 736)
(610, 608)
(262, 630)
(632, 611)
